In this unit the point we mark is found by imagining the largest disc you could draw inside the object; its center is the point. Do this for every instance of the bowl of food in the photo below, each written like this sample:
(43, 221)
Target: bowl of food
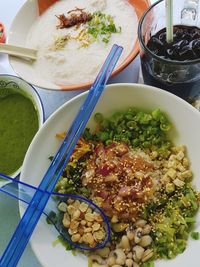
(21, 116)
(73, 38)
(138, 161)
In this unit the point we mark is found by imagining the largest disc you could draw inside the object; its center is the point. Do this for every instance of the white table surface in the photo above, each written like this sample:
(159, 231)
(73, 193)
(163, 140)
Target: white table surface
(51, 100)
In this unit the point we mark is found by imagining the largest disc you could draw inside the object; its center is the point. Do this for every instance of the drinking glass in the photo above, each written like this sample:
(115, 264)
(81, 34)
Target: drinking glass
(178, 77)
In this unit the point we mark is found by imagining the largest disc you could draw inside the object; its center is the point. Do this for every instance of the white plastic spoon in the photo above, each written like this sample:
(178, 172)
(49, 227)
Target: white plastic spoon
(18, 51)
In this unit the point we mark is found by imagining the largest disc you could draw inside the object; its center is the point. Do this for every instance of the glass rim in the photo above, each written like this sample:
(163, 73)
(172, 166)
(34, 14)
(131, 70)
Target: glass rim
(146, 49)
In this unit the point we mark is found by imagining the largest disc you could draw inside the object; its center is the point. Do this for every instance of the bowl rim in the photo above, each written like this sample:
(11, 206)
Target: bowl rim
(114, 85)
(40, 109)
(140, 6)
(139, 85)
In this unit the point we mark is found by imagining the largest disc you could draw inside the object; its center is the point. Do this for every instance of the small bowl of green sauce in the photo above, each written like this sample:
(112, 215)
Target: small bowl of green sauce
(21, 116)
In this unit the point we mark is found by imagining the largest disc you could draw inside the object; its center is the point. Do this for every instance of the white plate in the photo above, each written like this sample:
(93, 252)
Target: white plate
(115, 97)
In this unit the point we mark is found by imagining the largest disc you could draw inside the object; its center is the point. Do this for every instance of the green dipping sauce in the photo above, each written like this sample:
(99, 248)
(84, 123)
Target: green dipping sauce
(18, 125)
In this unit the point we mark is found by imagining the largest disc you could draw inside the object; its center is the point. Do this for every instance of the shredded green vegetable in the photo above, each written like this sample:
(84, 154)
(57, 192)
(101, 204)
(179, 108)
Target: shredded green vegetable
(195, 235)
(52, 217)
(70, 181)
(66, 244)
(136, 128)
(101, 26)
(172, 221)
(148, 264)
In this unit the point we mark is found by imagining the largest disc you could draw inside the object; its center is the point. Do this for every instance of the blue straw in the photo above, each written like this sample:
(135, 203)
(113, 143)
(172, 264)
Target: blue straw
(27, 224)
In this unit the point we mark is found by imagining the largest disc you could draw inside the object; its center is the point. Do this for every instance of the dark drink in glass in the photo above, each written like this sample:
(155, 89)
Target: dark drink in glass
(173, 66)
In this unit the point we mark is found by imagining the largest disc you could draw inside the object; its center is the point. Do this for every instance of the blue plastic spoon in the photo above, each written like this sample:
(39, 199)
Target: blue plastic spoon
(24, 192)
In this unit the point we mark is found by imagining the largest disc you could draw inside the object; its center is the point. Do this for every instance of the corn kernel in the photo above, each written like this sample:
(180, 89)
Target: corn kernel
(180, 167)
(185, 162)
(178, 182)
(170, 187)
(186, 174)
(172, 164)
(171, 173)
(180, 155)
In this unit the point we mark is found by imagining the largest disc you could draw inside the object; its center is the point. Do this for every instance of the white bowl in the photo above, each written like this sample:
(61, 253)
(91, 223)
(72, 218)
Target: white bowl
(184, 117)
(10, 81)
(21, 25)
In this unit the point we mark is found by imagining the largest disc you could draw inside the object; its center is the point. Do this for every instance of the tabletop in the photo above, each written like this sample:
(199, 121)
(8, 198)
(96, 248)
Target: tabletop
(51, 100)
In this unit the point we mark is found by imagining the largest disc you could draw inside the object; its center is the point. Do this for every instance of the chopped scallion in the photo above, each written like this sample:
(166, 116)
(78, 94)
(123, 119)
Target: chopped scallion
(195, 235)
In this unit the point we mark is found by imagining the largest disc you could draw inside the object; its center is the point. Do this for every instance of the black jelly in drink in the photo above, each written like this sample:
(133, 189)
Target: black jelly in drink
(181, 79)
